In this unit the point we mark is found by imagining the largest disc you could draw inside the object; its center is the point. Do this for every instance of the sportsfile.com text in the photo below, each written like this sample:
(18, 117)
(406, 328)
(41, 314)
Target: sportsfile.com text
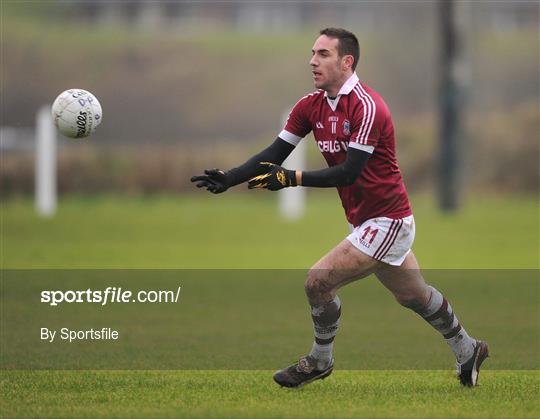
(109, 295)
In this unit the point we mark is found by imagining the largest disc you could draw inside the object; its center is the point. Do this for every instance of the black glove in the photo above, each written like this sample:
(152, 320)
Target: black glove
(213, 180)
(275, 178)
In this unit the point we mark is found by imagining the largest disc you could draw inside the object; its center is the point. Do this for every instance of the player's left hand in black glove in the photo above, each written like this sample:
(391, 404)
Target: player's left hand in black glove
(213, 180)
(275, 178)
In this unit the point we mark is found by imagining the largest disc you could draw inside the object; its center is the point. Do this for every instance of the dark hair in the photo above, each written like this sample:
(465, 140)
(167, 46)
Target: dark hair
(347, 45)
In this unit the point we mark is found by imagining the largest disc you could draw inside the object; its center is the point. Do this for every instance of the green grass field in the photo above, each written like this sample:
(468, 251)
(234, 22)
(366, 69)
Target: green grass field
(245, 231)
(380, 351)
(225, 394)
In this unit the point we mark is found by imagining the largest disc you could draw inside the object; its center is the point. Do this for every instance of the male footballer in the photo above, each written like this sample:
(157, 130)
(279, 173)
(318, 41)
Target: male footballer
(353, 129)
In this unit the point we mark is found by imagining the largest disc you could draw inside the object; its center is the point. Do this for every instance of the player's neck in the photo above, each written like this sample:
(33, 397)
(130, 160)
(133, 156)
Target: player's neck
(333, 92)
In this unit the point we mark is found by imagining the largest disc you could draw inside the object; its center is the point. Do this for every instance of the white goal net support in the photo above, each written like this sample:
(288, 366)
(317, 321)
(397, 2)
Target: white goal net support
(292, 201)
(45, 181)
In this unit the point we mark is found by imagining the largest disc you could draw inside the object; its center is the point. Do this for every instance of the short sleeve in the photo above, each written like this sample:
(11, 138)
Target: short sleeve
(364, 134)
(297, 125)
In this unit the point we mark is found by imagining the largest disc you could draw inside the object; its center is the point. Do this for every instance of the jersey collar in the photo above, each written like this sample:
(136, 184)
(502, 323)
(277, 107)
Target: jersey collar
(347, 87)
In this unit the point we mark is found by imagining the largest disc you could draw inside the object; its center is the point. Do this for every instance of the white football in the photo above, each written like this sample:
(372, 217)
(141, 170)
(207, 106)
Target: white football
(76, 113)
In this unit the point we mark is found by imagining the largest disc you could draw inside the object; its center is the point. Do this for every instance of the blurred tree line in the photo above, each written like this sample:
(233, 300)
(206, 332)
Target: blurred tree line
(205, 79)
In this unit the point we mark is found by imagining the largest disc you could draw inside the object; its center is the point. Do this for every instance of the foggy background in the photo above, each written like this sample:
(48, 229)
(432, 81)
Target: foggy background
(190, 85)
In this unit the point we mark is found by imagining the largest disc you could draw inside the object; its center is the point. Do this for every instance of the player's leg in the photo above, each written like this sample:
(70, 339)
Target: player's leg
(369, 245)
(342, 265)
(409, 288)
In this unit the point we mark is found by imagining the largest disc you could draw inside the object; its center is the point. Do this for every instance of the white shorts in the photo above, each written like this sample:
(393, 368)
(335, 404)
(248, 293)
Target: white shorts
(384, 239)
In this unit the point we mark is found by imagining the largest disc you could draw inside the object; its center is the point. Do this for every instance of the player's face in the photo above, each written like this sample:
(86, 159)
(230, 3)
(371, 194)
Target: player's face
(328, 69)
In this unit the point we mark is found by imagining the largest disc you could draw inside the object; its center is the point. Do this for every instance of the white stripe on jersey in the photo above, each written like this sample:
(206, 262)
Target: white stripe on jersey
(366, 128)
(369, 115)
(374, 109)
(364, 118)
(289, 137)
(367, 148)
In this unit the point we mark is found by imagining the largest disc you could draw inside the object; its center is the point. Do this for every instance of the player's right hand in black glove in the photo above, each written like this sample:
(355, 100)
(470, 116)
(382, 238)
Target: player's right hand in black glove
(213, 180)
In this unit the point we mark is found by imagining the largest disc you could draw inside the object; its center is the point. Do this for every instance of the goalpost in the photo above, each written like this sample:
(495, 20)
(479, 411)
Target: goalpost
(45, 163)
(292, 201)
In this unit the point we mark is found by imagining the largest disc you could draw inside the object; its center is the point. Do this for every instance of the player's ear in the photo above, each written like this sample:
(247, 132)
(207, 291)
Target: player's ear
(347, 62)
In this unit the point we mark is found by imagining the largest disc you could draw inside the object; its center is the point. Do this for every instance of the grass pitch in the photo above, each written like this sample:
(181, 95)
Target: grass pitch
(232, 230)
(244, 231)
(225, 394)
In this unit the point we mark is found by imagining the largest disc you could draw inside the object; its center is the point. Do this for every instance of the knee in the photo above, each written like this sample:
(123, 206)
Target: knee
(316, 286)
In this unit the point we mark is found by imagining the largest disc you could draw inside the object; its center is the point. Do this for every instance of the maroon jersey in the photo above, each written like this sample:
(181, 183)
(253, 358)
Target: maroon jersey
(358, 117)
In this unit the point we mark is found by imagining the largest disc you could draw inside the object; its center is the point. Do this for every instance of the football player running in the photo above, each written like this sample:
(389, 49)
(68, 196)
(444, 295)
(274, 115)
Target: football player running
(353, 129)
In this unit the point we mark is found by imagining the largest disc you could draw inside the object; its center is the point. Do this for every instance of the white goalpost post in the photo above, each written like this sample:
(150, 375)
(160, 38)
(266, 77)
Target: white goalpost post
(45, 163)
(292, 201)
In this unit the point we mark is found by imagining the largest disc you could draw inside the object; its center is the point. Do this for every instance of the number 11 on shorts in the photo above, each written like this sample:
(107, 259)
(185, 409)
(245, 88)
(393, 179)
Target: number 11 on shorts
(367, 231)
